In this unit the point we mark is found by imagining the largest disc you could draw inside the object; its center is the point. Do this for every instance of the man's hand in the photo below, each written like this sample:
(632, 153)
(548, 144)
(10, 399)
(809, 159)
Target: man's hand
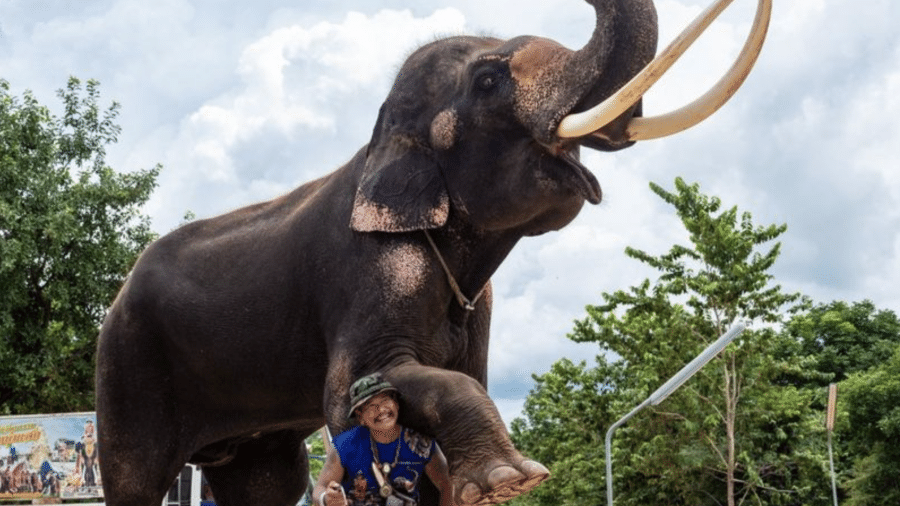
(334, 495)
(328, 492)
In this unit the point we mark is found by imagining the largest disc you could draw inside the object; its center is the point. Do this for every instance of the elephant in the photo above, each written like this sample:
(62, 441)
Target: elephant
(234, 338)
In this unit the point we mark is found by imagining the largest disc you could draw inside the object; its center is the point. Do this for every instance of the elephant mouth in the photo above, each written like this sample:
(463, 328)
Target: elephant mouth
(581, 178)
(589, 186)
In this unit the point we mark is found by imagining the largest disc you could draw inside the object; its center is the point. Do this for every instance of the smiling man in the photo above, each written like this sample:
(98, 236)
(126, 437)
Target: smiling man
(379, 462)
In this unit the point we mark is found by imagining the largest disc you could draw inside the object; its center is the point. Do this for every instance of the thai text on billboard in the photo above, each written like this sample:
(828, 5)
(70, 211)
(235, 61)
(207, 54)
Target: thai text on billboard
(49, 456)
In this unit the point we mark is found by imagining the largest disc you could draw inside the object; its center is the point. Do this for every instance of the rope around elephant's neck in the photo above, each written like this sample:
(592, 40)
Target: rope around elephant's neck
(467, 304)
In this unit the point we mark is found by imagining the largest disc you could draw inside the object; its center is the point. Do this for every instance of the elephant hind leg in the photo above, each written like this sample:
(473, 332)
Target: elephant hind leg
(139, 455)
(271, 470)
(132, 479)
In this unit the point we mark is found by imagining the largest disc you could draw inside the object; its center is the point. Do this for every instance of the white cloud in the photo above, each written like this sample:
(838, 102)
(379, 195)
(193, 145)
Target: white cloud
(298, 84)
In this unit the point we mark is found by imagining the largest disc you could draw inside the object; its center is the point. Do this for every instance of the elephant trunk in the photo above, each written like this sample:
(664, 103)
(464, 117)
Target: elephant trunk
(555, 82)
(624, 42)
(613, 121)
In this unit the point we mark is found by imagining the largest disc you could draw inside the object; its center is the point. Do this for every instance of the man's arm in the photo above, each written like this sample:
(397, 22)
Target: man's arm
(328, 491)
(439, 473)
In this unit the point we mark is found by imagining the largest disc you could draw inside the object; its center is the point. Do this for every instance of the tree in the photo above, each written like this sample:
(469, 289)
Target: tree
(842, 338)
(686, 451)
(567, 414)
(852, 345)
(70, 229)
(873, 411)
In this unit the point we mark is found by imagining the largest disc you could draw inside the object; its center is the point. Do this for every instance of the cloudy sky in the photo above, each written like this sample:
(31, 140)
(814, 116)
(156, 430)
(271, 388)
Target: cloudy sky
(242, 101)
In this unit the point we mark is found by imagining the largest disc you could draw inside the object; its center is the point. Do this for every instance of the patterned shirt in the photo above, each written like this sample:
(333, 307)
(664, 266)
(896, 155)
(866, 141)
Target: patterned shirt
(411, 452)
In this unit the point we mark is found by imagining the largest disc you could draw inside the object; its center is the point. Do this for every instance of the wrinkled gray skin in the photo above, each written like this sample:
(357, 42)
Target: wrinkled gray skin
(237, 336)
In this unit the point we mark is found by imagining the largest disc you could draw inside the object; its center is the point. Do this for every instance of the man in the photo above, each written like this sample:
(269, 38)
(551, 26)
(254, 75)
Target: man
(379, 462)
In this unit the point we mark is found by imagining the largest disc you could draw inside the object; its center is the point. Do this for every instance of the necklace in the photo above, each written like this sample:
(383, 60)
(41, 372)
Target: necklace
(378, 467)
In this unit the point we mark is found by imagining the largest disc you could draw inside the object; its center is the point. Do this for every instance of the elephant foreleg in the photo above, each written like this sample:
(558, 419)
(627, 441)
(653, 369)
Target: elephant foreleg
(485, 467)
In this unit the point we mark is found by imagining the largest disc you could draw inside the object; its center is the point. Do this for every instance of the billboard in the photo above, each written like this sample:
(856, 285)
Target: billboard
(49, 456)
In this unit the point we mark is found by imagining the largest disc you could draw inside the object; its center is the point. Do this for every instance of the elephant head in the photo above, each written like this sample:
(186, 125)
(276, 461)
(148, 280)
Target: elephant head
(492, 129)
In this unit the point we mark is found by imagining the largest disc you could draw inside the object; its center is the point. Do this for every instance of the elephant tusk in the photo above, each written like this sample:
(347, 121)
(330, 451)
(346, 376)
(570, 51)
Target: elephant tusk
(640, 129)
(587, 122)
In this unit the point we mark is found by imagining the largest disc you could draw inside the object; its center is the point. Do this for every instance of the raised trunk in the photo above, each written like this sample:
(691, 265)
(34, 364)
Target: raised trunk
(611, 120)
(623, 42)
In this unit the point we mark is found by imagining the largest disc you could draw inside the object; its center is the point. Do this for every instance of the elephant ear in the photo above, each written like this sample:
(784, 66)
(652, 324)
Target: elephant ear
(401, 189)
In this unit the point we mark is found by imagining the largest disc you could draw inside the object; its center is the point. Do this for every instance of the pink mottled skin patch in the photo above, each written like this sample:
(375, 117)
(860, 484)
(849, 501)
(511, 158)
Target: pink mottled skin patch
(371, 217)
(443, 129)
(538, 71)
(403, 267)
(368, 217)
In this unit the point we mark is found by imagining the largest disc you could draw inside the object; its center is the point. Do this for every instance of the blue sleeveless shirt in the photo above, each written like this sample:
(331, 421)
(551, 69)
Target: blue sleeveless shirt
(411, 451)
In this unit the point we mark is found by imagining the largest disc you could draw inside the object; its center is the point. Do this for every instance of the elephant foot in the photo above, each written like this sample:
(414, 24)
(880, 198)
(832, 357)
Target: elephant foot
(504, 482)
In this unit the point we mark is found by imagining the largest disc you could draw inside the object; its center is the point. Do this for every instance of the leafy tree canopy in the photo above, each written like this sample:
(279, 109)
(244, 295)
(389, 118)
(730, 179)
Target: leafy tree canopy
(723, 438)
(872, 406)
(840, 339)
(70, 229)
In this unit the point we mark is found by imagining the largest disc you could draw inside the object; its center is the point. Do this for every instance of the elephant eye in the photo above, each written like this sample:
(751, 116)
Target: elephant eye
(487, 79)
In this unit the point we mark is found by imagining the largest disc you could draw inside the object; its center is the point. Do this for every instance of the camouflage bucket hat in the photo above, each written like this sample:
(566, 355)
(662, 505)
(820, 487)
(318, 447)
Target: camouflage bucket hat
(365, 388)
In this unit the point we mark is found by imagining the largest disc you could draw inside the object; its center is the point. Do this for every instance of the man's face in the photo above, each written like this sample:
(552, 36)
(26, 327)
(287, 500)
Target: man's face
(379, 412)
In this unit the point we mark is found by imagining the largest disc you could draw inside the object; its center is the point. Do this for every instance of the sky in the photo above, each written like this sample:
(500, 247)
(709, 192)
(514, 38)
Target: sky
(243, 101)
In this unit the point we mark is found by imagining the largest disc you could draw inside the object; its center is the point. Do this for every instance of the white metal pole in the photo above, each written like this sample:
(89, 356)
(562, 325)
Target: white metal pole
(609, 434)
(695, 365)
(829, 426)
(666, 389)
(833, 478)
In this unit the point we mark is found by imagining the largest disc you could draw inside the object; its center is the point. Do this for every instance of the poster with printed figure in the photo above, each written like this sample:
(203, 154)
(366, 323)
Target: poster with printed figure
(49, 456)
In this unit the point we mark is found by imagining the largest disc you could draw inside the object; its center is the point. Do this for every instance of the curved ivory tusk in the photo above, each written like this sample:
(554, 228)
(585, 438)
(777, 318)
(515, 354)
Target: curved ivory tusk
(584, 123)
(641, 129)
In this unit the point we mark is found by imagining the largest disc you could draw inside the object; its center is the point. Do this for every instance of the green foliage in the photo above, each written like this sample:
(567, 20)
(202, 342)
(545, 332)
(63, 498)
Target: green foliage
(765, 394)
(566, 417)
(829, 343)
(316, 446)
(841, 339)
(872, 406)
(70, 229)
(728, 423)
